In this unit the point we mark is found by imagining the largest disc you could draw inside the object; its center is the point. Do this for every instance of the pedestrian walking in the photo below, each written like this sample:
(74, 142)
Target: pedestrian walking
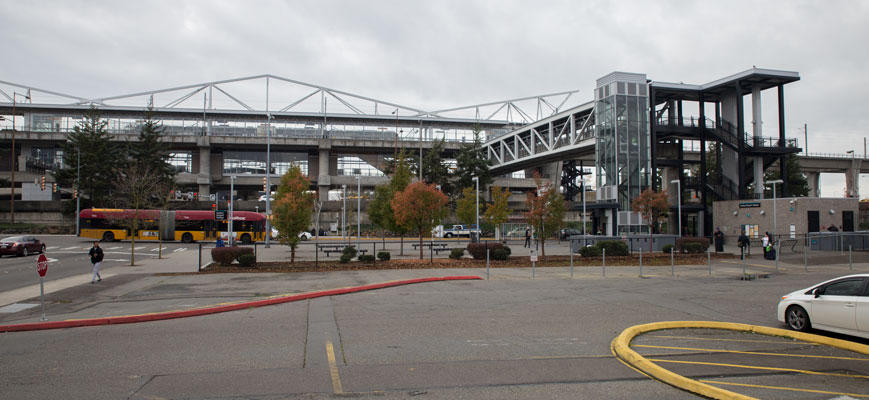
(527, 238)
(96, 254)
(718, 237)
(765, 243)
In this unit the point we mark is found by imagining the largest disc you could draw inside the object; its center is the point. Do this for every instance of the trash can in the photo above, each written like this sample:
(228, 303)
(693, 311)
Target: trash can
(719, 243)
(475, 237)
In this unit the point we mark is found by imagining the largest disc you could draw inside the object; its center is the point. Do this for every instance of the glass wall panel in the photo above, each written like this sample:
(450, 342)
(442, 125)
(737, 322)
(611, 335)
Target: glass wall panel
(254, 162)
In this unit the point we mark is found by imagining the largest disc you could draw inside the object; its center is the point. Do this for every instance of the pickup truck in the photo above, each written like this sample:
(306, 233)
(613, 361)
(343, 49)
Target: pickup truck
(455, 231)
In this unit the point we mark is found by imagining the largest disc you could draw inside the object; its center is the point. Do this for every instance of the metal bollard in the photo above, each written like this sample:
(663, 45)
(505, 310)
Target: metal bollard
(641, 261)
(806, 255)
(850, 261)
(533, 266)
(571, 264)
(200, 257)
(487, 263)
(604, 262)
(672, 263)
(709, 260)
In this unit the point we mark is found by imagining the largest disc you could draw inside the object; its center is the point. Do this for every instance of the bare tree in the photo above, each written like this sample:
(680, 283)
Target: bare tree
(137, 189)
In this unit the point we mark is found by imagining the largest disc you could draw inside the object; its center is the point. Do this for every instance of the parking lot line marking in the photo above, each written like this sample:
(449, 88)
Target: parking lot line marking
(751, 265)
(333, 368)
(751, 352)
(733, 340)
(70, 248)
(800, 371)
(784, 388)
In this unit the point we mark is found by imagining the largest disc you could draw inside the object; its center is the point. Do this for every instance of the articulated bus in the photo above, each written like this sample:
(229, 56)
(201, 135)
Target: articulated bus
(181, 225)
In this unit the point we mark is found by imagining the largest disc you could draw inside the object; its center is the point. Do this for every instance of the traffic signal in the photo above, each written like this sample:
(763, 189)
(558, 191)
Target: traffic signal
(42, 182)
(265, 186)
(75, 193)
(213, 206)
(54, 188)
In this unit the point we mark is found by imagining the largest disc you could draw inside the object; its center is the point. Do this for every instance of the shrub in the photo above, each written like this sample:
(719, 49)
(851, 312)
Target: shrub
(456, 254)
(383, 255)
(509, 252)
(366, 257)
(345, 258)
(226, 255)
(349, 250)
(693, 248)
(500, 254)
(247, 260)
(702, 242)
(478, 250)
(667, 248)
(590, 251)
(614, 248)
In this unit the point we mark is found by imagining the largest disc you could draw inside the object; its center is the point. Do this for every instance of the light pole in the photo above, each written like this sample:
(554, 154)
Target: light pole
(774, 219)
(344, 215)
(584, 222)
(231, 237)
(679, 203)
(477, 182)
(358, 211)
(78, 190)
(268, 176)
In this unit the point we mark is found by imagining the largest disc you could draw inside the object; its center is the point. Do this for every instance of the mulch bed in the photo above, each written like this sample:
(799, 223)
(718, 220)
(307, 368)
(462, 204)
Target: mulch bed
(656, 259)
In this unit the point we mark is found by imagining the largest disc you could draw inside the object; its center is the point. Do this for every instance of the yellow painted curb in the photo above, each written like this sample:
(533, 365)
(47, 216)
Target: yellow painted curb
(621, 347)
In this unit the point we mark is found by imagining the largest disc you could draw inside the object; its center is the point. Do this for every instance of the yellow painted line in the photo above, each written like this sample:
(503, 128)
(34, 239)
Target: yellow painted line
(785, 388)
(801, 371)
(730, 340)
(621, 347)
(751, 352)
(751, 265)
(333, 368)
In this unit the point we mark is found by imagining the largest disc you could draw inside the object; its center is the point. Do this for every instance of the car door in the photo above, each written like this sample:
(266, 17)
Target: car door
(835, 307)
(862, 311)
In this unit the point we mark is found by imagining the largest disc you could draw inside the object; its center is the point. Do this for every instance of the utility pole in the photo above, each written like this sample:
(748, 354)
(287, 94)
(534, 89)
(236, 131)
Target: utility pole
(806, 133)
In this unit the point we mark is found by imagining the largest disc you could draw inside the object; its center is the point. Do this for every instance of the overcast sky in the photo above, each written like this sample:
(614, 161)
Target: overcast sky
(441, 54)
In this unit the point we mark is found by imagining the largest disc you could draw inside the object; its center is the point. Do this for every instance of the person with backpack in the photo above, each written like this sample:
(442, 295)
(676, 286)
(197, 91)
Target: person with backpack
(96, 254)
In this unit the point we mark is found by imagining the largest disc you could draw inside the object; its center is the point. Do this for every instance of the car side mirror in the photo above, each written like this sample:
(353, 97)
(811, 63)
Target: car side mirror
(816, 292)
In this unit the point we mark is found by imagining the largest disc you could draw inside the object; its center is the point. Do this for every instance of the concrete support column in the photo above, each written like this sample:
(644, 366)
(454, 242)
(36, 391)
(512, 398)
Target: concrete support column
(758, 177)
(814, 180)
(204, 177)
(324, 180)
(756, 115)
(852, 182)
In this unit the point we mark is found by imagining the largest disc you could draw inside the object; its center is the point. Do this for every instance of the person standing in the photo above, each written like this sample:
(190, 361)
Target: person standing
(527, 237)
(96, 254)
(743, 243)
(765, 243)
(718, 237)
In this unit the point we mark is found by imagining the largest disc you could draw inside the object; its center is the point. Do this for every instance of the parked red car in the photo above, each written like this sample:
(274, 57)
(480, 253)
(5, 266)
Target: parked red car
(21, 246)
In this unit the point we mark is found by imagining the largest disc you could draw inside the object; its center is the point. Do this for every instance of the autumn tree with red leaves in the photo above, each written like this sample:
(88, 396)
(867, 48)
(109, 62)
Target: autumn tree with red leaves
(293, 207)
(419, 207)
(545, 210)
(652, 206)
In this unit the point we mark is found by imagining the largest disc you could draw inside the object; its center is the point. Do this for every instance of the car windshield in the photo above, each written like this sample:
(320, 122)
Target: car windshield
(11, 239)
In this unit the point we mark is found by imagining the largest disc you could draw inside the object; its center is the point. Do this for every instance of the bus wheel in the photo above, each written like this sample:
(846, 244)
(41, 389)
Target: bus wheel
(108, 237)
(245, 238)
(187, 238)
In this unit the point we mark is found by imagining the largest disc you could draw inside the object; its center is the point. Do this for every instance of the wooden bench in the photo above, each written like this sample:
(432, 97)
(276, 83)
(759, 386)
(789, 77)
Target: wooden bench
(437, 246)
(338, 248)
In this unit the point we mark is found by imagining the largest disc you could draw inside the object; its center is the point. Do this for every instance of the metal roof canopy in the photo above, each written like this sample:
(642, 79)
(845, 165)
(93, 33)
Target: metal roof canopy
(764, 78)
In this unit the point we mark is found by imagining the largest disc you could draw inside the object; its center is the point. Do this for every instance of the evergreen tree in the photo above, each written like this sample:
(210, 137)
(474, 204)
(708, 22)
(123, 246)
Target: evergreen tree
(798, 185)
(435, 172)
(101, 160)
(472, 161)
(151, 152)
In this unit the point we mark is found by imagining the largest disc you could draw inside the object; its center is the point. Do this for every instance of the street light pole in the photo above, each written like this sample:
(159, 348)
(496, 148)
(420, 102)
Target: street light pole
(854, 176)
(774, 216)
(679, 203)
(344, 215)
(231, 235)
(268, 174)
(358, 211)
(477, 181)
(12, 198)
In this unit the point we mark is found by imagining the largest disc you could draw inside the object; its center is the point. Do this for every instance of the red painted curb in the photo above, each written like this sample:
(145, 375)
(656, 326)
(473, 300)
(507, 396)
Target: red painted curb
(38, 326)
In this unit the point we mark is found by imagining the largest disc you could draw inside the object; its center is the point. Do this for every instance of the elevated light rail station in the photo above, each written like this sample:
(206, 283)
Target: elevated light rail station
(634, 134)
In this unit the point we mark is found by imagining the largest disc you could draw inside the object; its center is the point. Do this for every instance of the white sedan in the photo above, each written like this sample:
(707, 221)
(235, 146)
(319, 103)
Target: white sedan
(839, 305)
(302, 235)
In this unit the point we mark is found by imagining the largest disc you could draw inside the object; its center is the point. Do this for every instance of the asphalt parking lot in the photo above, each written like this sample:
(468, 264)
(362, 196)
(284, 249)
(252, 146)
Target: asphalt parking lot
(511, 337)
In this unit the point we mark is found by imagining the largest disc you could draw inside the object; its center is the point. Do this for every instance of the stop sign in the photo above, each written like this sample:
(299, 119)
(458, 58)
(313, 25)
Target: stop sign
(42, 265)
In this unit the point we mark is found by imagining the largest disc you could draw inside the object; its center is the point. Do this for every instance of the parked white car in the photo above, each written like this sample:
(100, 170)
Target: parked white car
(302, 235)
(839, 305)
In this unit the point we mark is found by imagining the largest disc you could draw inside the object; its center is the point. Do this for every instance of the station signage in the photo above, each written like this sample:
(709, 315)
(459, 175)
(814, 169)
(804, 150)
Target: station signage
(753, 204)
(220, 215)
